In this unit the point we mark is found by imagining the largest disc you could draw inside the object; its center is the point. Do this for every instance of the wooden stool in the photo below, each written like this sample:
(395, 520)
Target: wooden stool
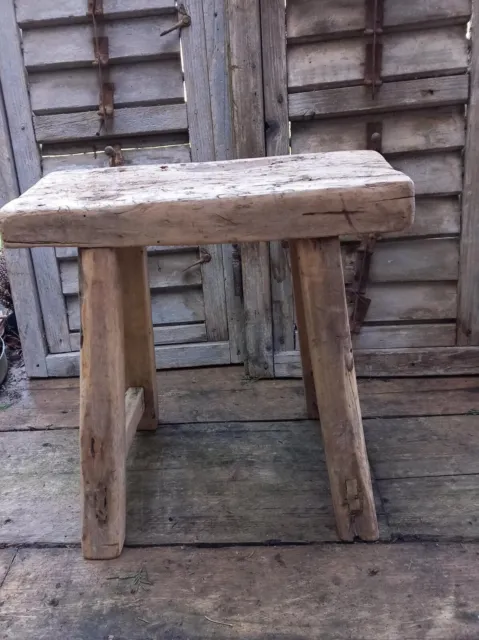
(113, 214)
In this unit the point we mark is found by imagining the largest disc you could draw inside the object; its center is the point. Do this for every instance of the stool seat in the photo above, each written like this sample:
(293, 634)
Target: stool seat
(113, 214)
(300, 196)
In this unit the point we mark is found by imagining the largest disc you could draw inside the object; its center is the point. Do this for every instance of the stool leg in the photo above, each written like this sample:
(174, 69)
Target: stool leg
(325, 311)
(140, 366)
(308, 378)
(102, 405)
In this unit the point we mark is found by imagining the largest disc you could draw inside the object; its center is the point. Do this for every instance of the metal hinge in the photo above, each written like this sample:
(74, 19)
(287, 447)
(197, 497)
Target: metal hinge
(115, 155)
(237, 271)
(373, 32)
(183, 21)
(101, 60)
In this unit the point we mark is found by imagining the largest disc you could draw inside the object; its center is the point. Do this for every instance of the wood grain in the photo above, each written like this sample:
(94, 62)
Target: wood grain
(468, 303)
(169, 306)
(80, 125)
(425, 130)
(188, 395)
(30, 15)
(140, 84)
(279, 588)
(244, 59)
(177, 356)
(28, 304)
(231, 202)
(102, 406)
(169, 334)
(128, 40)
(405, 94)
(134, 412)
(310, 393)
(447, 361)
(406, 55)
(202, 141)
(155, 155)
(165, 270)
(331, 355)
(139, 351)
(348, 17)
(275, 90)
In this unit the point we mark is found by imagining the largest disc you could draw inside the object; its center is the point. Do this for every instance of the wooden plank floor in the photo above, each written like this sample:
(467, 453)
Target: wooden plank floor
(236, 465)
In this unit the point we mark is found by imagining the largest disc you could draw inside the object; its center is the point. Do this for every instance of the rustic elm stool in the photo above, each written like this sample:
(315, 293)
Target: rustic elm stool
(113, 214)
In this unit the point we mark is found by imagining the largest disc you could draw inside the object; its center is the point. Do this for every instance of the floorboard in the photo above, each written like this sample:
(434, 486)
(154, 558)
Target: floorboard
(333, 592)
(223, 394)
(250, 482)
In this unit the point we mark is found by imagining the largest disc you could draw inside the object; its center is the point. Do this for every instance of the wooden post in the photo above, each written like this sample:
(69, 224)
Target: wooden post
(307, 367)
(140, 366)
(468, 305)
(327, 327)
(247, 116)
(102, 405)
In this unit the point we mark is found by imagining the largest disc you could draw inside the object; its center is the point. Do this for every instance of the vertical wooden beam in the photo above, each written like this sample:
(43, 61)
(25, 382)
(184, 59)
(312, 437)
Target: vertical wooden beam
(28, 165)
(246, 99)
(327, 327)
(140, 366)
(306, 364)
(201, 132)
(275, 89)
(102, 405)
(468, 301)
(19, 263)
(218, 75)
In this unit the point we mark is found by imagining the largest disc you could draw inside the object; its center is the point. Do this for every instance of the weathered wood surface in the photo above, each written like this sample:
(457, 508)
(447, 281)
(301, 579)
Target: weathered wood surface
(169, 334)
(435, 361)
(425, 130)
(243, 482)
(168, 307)
(310, 393)
(128, 40)
(155, 155)
(324, 321)
(50, 12)
(432, 173)
(144, 83)
(164, 270)
(8, 176)
(188, 395)
(128, 121)
(408, 94)
(6, 559)
(234, 482)
(102, 406)
(405, 336)
(72, 252)
(409, 591)
(26, 156)
(411, 301)
(145, 142)
(304, 21)
(406, 55)
(434, 216)
(320, 194)
(177, 356)
(277, 134)
(244, 59)
(418, 260)
(134, 412)
(202, 141)
(468, 304)
(138, 339)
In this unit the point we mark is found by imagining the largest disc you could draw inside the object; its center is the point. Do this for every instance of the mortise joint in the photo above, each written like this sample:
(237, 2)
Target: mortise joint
(353, 498)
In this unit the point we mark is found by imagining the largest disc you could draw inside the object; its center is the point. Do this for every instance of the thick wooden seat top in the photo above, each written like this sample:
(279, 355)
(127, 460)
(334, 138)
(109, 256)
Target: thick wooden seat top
(287, 197)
